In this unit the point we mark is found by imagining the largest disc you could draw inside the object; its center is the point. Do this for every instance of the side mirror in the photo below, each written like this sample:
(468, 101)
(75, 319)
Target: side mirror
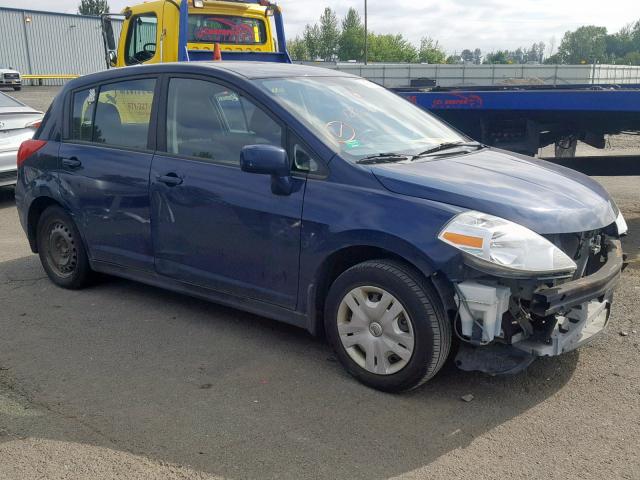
(108, 31)
(268, 160)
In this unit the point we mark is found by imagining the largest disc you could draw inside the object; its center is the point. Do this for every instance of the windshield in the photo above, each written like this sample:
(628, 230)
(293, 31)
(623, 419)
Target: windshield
(212, 28)
(358, 117)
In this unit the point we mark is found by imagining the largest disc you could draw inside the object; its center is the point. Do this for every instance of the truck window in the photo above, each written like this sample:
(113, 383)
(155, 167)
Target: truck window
(141, 38)
(209, 28)
(123, 112)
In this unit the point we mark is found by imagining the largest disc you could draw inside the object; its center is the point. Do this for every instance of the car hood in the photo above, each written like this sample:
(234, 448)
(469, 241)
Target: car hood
(544, 197)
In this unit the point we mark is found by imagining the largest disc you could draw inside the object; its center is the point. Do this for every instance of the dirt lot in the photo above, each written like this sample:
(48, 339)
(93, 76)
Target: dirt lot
(127, 381)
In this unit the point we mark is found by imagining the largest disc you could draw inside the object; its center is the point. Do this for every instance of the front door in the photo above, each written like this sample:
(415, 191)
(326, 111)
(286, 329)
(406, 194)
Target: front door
(214, 225)
(104, 170)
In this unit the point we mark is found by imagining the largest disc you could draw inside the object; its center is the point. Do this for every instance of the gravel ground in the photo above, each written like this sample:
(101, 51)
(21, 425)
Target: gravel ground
(122, 380)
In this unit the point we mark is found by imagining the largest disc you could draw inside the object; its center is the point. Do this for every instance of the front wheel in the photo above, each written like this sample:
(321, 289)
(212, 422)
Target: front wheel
(387, 325)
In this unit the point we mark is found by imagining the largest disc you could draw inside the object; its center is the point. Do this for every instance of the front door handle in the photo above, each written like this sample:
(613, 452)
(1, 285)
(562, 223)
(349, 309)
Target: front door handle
(71, 162)
(170, 179)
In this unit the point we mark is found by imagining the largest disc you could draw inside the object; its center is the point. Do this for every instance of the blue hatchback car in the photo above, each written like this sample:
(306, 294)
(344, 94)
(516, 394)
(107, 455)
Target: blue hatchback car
(325, 201)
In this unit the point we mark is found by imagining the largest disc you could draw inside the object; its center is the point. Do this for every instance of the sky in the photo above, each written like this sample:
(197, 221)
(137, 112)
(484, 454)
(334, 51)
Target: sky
(456, 24)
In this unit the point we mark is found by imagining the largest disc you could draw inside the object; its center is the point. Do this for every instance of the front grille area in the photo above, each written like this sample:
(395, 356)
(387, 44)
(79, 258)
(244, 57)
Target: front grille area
(11, 76)
(587, 249)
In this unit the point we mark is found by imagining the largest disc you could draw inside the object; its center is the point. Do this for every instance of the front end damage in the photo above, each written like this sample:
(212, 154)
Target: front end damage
(505, 323)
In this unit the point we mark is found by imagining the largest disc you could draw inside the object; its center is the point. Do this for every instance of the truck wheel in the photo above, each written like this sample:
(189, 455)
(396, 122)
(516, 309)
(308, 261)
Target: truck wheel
(17, 89)
(387, 325)
(61, 251)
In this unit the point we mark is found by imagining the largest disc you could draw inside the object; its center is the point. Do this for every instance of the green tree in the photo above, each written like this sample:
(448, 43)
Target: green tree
(93, 7)
(430, 51)
(477, 56)
(466, 55)
(329, 35)
(351, 43)
(587, 44)
(311, 38)
(535, 54)
(499, 57)
(298, 49)
(391, 48)
(553, 59)
(631, 58)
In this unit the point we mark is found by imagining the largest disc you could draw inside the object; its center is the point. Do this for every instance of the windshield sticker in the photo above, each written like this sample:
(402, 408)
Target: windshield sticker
(227, 30)
(352, 144)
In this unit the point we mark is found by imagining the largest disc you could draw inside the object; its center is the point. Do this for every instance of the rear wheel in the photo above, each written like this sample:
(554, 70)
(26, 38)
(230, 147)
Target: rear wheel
(17, 89)
(61, 251)
(387, 325)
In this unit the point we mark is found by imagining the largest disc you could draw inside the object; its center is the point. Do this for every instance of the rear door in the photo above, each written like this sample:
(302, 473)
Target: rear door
(105, 160)
(213, 224)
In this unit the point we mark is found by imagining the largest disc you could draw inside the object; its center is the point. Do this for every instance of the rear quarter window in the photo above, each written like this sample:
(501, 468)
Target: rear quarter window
(83, 106)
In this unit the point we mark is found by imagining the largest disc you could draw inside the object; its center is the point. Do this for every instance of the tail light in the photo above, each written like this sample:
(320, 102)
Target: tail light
(28, 148)
(35, 124)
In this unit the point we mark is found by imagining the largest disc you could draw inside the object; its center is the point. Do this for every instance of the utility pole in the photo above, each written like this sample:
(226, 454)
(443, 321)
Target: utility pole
(366, 34)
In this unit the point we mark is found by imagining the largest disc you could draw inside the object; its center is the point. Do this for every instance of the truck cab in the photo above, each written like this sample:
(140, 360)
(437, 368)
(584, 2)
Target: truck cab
(176, 30)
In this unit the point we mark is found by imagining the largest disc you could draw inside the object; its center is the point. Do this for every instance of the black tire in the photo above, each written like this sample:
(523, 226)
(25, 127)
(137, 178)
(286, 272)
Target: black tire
(431, 328)
(17, 89)
(61, 250)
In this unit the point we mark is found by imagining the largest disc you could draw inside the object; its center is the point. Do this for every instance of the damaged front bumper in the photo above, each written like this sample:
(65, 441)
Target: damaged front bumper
(555, 319)
(555, 299)
(581, 307)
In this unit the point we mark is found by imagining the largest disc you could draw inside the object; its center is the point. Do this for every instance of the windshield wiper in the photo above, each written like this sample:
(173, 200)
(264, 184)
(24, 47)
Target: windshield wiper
(446, 146)
(383, 158)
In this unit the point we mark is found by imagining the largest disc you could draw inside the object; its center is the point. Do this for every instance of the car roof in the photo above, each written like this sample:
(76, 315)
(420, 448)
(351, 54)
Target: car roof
(272, 70)
(242, 69)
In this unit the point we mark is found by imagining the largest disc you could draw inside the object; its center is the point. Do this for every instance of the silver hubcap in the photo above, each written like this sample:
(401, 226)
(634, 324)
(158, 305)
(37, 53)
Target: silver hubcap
(375, 330)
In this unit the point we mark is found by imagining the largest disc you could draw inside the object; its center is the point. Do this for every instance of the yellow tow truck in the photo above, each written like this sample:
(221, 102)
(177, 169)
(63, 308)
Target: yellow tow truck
(188, 30)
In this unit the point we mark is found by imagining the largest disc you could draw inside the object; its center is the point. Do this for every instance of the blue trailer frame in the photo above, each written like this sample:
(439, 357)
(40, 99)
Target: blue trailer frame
(603, 98)
(526, 118)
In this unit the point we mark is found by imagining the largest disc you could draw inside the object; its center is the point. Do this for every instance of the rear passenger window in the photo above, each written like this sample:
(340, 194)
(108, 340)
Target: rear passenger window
(82, 118)
(123, 113)
(213, 122)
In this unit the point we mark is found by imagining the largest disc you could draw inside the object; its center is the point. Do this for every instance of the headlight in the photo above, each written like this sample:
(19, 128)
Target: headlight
(502, 247)
(621, 224)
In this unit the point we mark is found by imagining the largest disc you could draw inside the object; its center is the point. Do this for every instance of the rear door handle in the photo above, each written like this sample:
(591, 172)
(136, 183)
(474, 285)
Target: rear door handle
(71, 162)
(170, 179)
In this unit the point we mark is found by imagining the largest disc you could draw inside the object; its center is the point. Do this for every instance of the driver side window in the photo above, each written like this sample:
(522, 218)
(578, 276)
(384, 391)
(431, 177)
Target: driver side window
(141, 41)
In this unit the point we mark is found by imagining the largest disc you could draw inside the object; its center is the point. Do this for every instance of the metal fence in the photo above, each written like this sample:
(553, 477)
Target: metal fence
(400, 75)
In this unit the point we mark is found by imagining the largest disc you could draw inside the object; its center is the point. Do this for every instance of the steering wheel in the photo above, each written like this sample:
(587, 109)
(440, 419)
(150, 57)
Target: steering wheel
(145, 54)
(342, 131)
